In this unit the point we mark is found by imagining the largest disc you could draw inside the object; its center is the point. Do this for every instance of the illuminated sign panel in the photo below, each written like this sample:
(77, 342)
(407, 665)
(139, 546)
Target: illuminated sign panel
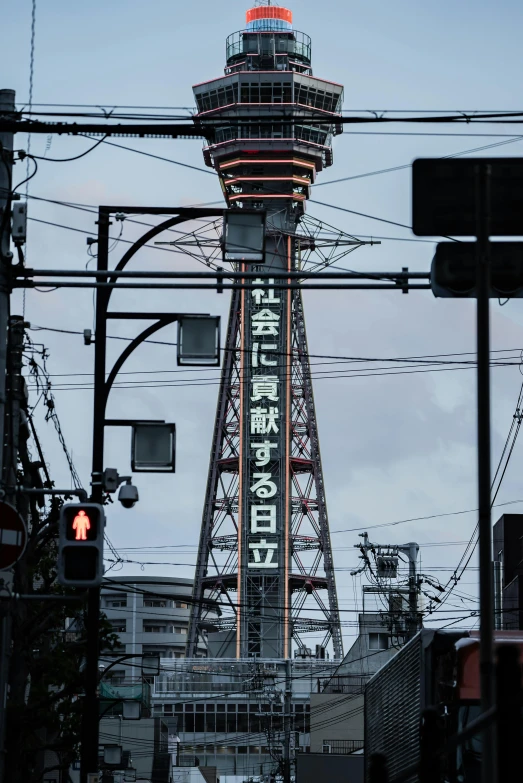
(264, 421)
(81, 523)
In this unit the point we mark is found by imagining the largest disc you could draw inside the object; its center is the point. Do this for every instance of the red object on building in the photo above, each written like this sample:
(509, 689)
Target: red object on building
(268, 12)
(468, 661)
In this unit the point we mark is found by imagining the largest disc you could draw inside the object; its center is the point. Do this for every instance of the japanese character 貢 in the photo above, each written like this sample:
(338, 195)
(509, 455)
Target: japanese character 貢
(264, 386)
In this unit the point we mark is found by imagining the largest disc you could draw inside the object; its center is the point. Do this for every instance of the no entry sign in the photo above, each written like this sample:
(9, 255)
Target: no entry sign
(13, 536)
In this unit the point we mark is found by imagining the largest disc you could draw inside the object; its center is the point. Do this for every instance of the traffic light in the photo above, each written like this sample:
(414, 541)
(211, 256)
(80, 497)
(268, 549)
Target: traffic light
(453, 271)
(81, 545)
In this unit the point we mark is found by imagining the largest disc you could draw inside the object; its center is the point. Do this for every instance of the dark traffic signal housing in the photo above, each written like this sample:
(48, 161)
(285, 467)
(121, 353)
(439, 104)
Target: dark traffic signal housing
(81, 541)
(454, 274)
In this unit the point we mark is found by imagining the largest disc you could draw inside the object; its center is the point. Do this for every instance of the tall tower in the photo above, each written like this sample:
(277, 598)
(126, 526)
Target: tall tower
(265, 551)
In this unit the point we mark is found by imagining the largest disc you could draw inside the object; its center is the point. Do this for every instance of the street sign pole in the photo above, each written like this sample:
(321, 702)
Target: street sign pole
(13, 540)
(482, 197)
(486, 599)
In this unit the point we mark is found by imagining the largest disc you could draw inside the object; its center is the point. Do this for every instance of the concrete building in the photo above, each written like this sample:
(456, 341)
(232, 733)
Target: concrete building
(144, 745)
(230, 713)
(508, 571)
(150, 616)
(316, 767)
(372, 648)
(336, 722)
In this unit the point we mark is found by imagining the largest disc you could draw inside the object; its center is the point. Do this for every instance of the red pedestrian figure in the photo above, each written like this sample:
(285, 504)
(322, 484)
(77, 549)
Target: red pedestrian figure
(81, 524)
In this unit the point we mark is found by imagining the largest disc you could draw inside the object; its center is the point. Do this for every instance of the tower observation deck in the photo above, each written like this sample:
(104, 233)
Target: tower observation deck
(265, 553)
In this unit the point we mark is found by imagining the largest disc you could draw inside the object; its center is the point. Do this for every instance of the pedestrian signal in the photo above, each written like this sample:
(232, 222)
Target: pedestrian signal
(80, 558)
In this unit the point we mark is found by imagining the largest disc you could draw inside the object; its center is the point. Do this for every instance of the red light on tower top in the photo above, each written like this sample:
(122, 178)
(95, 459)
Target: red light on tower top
(268, 18)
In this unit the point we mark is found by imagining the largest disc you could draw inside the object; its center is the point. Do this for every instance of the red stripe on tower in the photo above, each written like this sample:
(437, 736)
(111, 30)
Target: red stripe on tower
(268, 12)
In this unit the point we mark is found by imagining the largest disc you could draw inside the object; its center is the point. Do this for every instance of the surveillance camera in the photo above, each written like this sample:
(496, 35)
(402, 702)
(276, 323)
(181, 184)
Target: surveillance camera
(128, 495)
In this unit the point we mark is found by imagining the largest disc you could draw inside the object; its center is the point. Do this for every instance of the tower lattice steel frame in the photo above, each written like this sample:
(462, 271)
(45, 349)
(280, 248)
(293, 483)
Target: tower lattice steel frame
(265, 553)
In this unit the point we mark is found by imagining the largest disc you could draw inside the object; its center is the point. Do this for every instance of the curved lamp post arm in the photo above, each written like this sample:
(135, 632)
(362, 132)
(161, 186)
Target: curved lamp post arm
(163, 321)
(119, 660)
(153, 232)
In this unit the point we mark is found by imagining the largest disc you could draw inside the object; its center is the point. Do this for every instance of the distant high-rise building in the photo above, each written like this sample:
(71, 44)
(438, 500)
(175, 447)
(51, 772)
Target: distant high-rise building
(265, 552)
(150, 616)
(508, 571)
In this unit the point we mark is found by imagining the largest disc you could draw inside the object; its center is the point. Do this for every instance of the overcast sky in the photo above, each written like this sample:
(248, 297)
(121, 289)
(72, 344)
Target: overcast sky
(394, 447)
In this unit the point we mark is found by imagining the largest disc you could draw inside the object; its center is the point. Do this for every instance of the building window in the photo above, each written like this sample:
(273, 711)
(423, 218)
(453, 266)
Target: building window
(181, 605)
(179, 629)
(118, 626)
(160, 603)
(115, 677)
(378, 641)
(115, 603)
(150, 627)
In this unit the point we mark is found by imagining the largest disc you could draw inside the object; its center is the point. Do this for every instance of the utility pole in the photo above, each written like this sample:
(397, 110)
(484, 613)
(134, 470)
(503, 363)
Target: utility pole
(386, 564)
(287, 717)
(10, 452)
(413, 624)
(91, 712)
(7, 107)
(16, 397)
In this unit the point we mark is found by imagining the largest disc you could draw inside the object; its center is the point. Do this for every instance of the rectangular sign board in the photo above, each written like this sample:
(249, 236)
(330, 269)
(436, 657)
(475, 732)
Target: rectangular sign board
(444, 194)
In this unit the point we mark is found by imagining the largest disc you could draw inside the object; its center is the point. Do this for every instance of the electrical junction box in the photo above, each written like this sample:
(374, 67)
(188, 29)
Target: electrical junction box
(387, 566)
(19, 225)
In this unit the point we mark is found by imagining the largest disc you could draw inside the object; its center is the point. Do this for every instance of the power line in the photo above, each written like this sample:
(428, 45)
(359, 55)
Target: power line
(335, 357)
(461, 118)
(409, 165)
(513, 433)
(114, 105)
(201, 383)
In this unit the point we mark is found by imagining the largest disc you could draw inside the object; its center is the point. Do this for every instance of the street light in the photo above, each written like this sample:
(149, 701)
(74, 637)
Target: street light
(112, 755)
(103, 382)
(131, 710)
(199, 341)
(150, 665)
(153, 448)
(244, 235)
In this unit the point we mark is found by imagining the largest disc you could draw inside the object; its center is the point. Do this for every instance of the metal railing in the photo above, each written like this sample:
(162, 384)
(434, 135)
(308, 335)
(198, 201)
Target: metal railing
(271, 43)
(342, 747)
